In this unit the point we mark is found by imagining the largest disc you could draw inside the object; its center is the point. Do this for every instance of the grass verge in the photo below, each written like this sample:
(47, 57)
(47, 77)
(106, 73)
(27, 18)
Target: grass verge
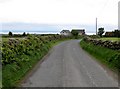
(109, 57)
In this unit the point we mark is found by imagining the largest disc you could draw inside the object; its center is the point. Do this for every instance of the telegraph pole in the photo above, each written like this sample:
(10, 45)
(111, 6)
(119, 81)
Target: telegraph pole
(96, 26)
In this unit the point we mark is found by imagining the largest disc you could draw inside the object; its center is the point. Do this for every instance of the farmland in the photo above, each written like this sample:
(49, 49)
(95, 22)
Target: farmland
(6, 39)
(110, 38)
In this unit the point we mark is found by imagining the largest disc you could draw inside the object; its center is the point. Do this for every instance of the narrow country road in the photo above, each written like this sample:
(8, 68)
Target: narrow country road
(68, 65)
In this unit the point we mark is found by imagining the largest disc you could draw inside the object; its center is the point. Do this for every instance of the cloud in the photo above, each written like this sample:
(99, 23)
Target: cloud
(60, 11)
(4, 1)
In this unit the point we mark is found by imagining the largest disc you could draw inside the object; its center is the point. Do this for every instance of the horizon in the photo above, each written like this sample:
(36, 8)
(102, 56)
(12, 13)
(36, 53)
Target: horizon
(51, 28)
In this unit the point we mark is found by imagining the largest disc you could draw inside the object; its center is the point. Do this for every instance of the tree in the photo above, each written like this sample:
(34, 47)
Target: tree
(24, 34)
(10, 34)
(100, 31)
(117, 33)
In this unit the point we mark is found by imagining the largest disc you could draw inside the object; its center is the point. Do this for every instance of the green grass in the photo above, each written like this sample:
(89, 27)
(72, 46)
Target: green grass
(4, 39)
(110, 38)
(106, 56)
(0, 77)
(15, 72)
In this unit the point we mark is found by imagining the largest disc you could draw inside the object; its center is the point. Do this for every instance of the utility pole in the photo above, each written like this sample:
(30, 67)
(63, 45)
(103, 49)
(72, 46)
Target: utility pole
(96, 26)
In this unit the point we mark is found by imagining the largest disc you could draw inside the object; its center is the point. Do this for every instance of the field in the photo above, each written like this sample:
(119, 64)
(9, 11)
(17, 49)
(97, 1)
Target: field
(110, 38)
(6, 39)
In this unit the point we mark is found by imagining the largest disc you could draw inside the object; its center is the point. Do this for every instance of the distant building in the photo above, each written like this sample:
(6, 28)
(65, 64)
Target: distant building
(109, 34)
(80, 31)
(65, 33)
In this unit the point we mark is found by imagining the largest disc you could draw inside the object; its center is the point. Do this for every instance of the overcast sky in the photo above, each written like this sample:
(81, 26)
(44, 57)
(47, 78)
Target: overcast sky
(59, 11)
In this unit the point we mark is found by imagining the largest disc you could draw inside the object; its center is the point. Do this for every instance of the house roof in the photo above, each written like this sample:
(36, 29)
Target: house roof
(109, 33)
(66, 31)
(79, 30)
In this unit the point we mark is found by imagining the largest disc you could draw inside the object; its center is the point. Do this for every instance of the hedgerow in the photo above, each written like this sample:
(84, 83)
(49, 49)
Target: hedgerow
(18, 56)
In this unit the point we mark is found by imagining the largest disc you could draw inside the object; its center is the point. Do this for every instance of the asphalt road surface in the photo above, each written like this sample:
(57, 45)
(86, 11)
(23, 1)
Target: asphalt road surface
(67, 65)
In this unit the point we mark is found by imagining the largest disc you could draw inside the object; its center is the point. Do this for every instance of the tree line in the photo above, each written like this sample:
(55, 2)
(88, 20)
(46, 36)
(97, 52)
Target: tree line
(10, 34)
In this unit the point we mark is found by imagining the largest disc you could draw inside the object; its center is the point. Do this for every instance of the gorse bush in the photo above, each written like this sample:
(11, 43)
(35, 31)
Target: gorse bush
(18, 56)
(15, 48)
